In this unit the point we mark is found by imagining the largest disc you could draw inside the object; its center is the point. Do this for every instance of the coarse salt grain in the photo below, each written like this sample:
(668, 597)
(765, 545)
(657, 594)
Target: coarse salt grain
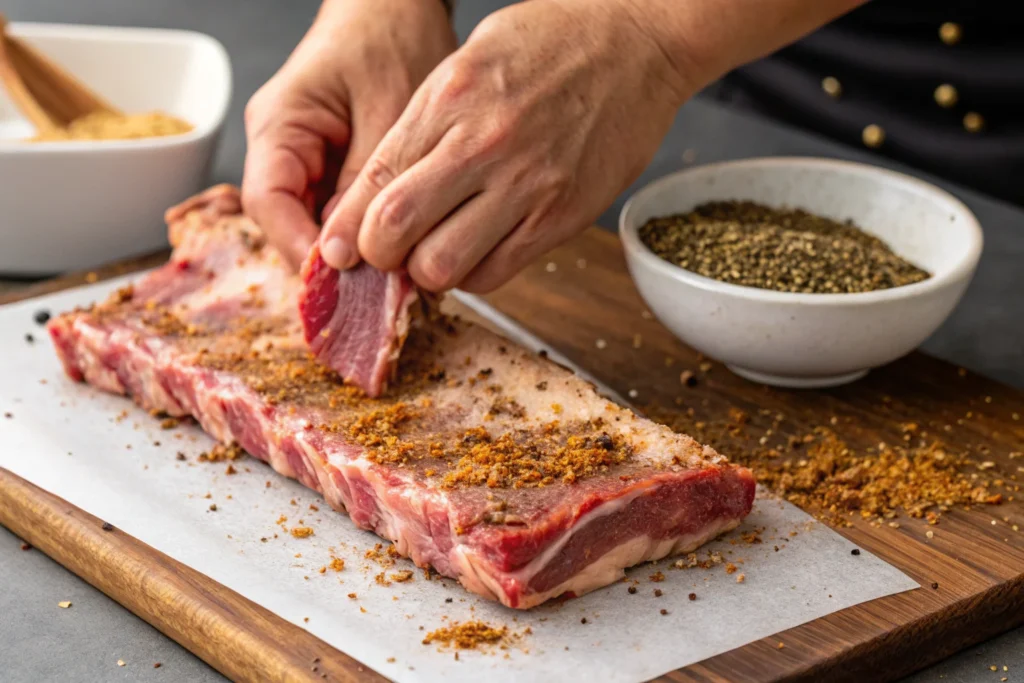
(600, 343)
(633, 393)
(551, 267)
(581, 263)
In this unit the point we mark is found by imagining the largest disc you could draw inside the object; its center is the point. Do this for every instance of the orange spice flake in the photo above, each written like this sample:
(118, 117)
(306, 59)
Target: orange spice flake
(468, 635)
(337, 564)
(222, 452)
(829, 477)
(530, 458)
(379, 431)
(301, 532)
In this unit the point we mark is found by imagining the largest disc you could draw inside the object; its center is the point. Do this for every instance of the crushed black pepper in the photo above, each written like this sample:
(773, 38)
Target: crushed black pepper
(787, 250)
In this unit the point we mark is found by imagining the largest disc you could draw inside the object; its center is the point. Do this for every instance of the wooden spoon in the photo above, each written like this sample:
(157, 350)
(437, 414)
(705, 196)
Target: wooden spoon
(18, 91)
(45, 93)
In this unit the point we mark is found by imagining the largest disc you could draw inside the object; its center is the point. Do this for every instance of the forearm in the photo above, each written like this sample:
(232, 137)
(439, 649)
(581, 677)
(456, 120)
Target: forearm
(704, 39)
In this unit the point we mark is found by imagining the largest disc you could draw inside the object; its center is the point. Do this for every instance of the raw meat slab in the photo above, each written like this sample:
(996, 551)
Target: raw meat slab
(484, 461)
(356, 321)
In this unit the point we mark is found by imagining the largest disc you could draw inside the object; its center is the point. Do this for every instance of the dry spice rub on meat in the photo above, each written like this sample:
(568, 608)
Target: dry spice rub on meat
(482, 460)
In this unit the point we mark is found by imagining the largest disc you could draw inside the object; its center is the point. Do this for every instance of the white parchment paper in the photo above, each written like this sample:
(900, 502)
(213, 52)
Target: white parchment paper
(79, 444)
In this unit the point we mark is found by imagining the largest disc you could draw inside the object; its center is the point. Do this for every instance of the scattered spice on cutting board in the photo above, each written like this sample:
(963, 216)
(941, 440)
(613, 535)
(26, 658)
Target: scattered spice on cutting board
(836, 481)
(221, 452)
(787, 250)
(470, 635)
(111, 126)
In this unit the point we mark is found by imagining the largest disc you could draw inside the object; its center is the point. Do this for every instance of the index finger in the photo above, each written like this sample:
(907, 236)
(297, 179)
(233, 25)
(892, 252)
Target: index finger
(273, 191)
(411, 138)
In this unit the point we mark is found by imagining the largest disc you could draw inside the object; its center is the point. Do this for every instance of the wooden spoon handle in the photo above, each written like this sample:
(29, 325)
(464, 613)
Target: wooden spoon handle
(65, 97)
(17, 89)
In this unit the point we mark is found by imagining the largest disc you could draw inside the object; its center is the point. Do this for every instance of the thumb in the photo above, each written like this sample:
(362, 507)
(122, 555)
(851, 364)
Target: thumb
(339, 246)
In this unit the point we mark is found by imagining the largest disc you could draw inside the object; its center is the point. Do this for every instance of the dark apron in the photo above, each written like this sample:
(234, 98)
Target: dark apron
(938, 85)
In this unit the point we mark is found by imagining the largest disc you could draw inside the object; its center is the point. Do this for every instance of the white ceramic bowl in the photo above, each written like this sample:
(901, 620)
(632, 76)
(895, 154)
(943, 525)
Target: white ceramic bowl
(75, 205)
(808, 340)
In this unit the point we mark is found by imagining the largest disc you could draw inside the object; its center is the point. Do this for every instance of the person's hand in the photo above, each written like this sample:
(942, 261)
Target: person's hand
(518, 140)
(313, 125)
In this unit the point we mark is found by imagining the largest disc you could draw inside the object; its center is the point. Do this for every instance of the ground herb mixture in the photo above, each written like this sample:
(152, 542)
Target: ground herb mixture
(787, 250)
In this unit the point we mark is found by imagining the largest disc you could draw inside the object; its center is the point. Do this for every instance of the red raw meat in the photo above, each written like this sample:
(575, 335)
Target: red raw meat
(356, 321)
(482, 460)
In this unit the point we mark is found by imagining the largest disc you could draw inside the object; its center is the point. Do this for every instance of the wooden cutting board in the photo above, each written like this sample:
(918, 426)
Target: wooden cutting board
(972, 567)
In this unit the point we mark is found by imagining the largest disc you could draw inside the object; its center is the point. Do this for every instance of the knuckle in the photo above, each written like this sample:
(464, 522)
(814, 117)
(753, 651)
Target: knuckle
(378, 172)
(531, 233)
(254, 109)
(490, 25)
(252, 199)
(555, 181)
(495, 138)
(433, 270)
(394, 212)
(458, 77)
(481, 284)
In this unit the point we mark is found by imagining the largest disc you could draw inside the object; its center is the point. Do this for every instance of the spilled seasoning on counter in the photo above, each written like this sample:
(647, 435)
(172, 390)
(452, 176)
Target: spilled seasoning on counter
(830, 478)
(470, 635)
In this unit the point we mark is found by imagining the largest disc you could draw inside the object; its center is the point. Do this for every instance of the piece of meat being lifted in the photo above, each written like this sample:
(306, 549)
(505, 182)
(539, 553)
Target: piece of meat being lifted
(356, 321)
(482, 460)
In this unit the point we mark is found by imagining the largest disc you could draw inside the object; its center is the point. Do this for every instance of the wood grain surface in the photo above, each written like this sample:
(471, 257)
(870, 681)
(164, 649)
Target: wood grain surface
(975, 559)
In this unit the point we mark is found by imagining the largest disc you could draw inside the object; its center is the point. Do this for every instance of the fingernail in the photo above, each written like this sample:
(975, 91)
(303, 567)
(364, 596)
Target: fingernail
(336, 253)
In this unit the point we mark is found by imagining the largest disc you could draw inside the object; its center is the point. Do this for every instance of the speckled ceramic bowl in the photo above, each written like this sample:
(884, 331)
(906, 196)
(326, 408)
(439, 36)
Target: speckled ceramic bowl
(808, 340)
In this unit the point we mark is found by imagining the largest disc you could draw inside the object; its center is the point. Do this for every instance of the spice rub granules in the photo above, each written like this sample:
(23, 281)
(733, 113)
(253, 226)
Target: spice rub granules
(468, 635)
(837, 481)
(109, 126)
(787, 250)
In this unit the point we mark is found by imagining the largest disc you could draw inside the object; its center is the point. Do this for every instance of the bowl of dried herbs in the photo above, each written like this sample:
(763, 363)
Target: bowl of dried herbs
(799, 272)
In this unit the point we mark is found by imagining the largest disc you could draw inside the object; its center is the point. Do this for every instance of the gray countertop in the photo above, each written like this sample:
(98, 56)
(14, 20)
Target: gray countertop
(39, 642)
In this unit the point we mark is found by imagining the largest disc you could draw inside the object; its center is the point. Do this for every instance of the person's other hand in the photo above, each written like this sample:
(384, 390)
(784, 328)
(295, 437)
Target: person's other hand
(311, 128)
(518, 140)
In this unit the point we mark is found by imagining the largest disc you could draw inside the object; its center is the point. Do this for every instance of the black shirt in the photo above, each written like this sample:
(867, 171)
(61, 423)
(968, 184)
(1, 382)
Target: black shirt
(938, 85)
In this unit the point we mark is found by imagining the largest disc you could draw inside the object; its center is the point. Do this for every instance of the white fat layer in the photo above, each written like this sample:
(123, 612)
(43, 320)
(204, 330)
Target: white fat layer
(389, 354)
(477, 576)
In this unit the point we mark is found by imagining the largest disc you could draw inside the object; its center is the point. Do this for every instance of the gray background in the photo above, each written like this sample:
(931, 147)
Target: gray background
(39, 642)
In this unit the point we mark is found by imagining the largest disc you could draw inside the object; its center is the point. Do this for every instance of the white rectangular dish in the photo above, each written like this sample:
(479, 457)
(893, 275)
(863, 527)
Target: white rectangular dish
(75, 205)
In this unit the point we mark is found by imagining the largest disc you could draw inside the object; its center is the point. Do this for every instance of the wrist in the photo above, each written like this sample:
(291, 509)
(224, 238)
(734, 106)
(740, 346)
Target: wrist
(669, 26)
(704, 39)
